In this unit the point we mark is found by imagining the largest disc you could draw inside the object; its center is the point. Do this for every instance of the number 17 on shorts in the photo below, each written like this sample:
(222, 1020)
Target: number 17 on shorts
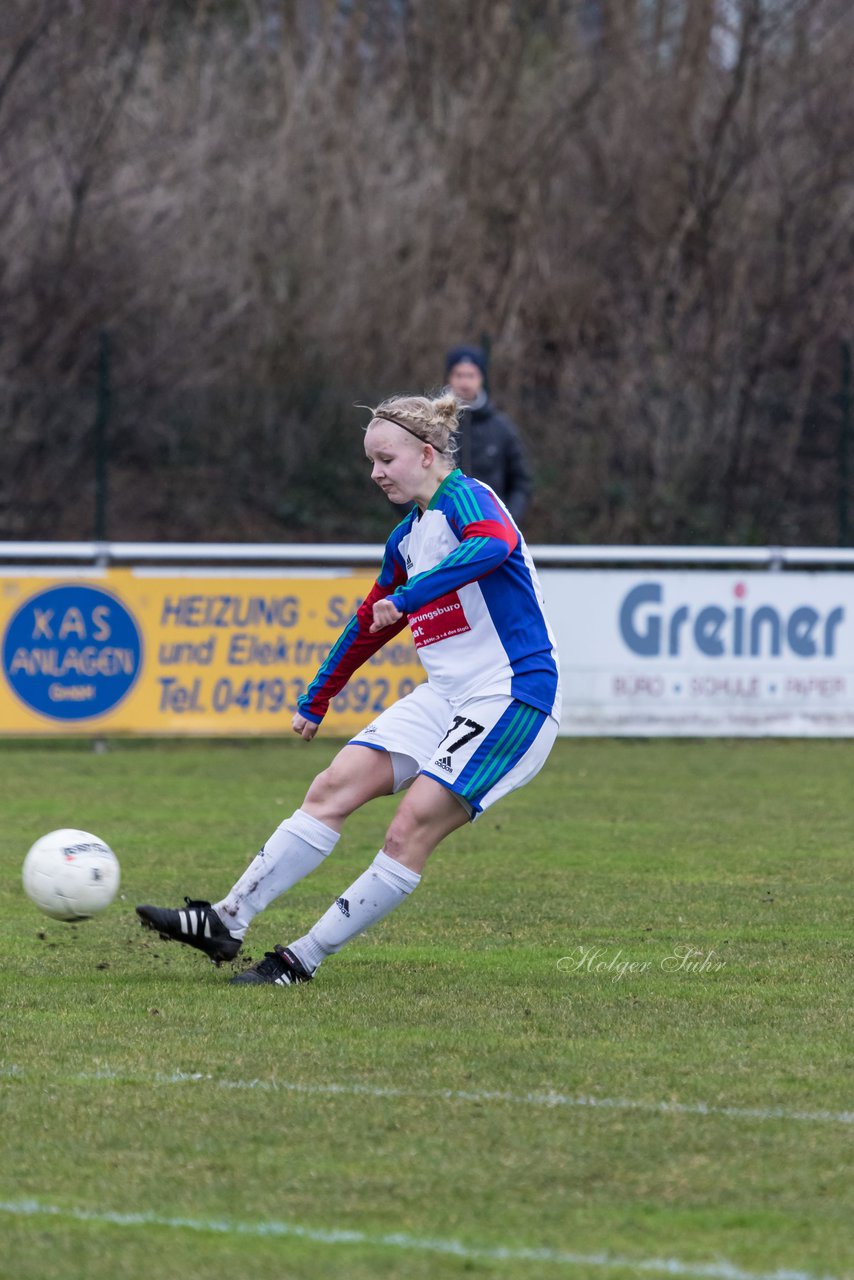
(492, 747)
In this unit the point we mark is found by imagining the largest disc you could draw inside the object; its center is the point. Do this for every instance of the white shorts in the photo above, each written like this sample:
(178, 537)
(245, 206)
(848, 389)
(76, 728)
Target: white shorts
(481, 750)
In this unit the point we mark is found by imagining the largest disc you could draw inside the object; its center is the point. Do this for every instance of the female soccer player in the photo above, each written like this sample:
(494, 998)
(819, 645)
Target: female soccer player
(457, 570)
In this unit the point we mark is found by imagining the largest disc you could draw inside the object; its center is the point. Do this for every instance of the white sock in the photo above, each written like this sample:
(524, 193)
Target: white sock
(380, 889)
(294, 849)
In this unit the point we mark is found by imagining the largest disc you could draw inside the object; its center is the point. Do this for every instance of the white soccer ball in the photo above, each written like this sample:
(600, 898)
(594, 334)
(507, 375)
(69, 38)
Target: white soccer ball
(70, 874)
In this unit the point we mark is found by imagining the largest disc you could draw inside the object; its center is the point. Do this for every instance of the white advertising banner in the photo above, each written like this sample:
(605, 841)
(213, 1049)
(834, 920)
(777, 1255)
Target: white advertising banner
(695, 653)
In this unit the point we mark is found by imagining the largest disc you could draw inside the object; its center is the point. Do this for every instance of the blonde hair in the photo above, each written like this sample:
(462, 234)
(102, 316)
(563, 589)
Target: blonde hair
(432, 419)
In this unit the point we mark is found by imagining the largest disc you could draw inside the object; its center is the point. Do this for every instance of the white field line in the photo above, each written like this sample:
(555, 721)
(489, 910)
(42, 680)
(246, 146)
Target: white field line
(548, 1098)
(718, 1270)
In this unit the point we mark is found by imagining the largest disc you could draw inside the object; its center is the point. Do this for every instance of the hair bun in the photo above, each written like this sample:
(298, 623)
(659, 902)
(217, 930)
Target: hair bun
(447, 407)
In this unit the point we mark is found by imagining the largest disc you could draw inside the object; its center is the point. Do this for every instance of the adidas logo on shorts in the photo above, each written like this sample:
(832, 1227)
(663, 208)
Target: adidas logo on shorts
(446, 763)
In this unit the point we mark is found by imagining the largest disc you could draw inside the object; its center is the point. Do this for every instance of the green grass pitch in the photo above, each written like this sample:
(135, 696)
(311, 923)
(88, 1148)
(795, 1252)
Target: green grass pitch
(609, 1036)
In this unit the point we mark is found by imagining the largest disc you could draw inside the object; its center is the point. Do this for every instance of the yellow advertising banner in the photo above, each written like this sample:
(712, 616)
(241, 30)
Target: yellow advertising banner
(160, 652)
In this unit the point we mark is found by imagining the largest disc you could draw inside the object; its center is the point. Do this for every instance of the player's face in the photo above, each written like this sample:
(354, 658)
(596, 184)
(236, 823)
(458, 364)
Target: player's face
(398, 461)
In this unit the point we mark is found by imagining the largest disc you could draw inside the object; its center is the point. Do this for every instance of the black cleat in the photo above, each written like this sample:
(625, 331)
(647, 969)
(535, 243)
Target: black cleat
(279, 966)
(197, 925)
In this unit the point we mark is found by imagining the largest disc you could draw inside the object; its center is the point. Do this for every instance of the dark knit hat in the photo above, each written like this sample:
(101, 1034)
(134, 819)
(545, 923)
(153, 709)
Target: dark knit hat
(456, 355)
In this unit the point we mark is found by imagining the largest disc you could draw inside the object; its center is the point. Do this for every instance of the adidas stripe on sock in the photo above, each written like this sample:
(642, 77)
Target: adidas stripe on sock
(380, 889)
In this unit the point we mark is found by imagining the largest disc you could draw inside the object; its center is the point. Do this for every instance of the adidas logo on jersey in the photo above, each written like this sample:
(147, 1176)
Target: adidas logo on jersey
(446, 763)
(343, 905)
(408, 560)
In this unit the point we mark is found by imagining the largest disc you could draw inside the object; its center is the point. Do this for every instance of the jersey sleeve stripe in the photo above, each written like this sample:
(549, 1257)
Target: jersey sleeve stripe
(458, 496)
(470, 560)
(467, 503)
(502, 529)
(467, 550)
(342, 642)
(460, 555)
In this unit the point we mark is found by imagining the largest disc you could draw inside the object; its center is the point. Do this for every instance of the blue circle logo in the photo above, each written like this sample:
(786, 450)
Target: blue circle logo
(72, 652)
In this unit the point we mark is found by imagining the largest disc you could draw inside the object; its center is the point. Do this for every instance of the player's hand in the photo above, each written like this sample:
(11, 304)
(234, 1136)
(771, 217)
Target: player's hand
(385, 615)
(305, 728)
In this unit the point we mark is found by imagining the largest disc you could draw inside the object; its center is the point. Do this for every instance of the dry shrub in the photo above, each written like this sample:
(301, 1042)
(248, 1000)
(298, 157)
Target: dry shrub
(275, 209)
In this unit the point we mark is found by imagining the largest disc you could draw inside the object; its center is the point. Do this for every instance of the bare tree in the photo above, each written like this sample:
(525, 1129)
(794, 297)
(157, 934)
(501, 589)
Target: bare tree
(276, 209)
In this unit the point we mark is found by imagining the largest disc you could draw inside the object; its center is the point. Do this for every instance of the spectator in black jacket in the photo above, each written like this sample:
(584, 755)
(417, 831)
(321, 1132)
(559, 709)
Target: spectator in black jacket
(489, 444)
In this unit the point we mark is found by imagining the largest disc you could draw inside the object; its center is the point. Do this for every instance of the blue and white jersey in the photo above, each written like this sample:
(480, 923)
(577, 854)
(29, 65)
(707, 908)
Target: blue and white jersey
(463, 577)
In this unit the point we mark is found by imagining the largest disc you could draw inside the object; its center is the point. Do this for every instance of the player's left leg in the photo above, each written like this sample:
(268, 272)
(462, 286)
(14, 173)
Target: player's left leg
(493, 746)
(427, 814)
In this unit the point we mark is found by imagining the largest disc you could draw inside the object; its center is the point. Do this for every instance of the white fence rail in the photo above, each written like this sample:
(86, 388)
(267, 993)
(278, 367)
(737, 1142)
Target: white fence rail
(334, 554)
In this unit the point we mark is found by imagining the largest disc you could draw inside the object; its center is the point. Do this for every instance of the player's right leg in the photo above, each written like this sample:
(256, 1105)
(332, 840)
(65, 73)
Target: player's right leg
(296, 848)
